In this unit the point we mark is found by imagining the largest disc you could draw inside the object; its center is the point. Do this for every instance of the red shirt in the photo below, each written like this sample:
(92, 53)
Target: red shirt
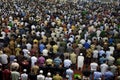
(6, 74)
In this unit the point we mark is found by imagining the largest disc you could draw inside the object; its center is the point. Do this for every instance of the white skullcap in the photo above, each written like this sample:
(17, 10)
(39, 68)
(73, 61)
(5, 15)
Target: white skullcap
(41, 71)
(22, 23)
(83, 26)
(18, 45)
(81, 54)
(67, 76)
(33, 27)
(15, 59)
(18, 36)
(25, 70)
(49, 74)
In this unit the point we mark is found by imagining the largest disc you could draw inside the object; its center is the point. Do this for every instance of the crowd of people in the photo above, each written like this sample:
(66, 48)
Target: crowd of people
(47, 40)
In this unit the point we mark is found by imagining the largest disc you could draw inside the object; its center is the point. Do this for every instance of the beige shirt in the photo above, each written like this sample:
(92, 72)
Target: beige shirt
(73, 58)
(49, 61)
(14, 65)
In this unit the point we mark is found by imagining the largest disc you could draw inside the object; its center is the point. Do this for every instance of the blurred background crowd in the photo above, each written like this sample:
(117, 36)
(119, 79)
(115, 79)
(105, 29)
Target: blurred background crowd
(59, 40)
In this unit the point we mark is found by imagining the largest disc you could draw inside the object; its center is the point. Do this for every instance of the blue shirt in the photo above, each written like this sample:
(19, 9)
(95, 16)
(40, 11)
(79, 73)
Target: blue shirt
(108, 75)
(86, 45)
(57, 61)
(97, 75)
(101, 52)
(102, 59)
(41, 47)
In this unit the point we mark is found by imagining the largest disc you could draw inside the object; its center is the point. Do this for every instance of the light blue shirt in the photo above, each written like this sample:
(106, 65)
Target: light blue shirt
(69, 72)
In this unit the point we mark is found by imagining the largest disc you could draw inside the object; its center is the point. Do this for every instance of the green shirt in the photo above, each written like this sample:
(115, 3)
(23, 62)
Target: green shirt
(118, 61)
(57, 77)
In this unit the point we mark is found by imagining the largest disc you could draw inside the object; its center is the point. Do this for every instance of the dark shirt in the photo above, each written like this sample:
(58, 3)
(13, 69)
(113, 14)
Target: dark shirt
(86, 72)
(1, 75)
(32, 76)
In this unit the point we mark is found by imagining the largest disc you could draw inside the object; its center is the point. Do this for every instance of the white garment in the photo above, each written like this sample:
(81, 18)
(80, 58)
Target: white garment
(98, 33)
(15, 75)
(29, 46)
(108, 53)
(42, 33)
(95, 54)
(93, 66)
(24, 76)
(26, 53)
(33, 60)
(71, 39)
(103, 68)
(38, 33)
(45, 52)
(70, 73)
(80, 61)
(48, 78)
(67, 63)
(40, 77)
(112, 48)
(4, 58)
(82, 41)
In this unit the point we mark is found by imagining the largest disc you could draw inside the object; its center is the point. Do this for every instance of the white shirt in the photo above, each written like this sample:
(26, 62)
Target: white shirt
(48, 78)
(33, 60)
(71, 39)
(4, 58)
(103, 68)
(42, 33)
(53, 34)
(95, 54)
(37, 33)
(111, 48)
(108, 53)
(82, 41)
(25, 51)
(45, 52)
(101, 52)
(70, 73)
(24, 76)
(80, 61)
(98, 33)
(29, 46)
(93, 66)
(67, 63)
(40, 77)
(53, 23)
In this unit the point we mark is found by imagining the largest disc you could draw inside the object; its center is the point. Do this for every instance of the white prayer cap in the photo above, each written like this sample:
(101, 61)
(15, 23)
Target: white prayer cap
(83, 25)
(57, 18)
(49, 74)
(67, 76)
(81, 54)
(15, 60)
(41, 71)
(18, 45)
(33, 27)
(22, 23)
(25, 70)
